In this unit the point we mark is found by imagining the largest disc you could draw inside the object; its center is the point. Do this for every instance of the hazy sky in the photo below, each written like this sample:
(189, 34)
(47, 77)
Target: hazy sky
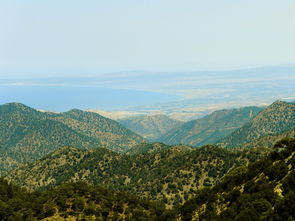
(71, 37)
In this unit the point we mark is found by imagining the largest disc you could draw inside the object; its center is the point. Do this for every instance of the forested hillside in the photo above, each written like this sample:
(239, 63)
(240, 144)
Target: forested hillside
(263, 190)
(276, 119)
(75, 201)
(259, 190)
(27, 134)
(269, 140)
(168, 174)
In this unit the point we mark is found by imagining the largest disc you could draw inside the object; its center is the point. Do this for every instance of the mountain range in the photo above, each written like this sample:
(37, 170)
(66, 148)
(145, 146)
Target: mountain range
(78, 165)
(246, 126)
(211, 128)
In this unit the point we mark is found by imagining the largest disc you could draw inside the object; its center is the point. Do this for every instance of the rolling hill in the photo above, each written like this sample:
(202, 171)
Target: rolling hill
(150, 127)
(168, 174)
(27, 134)
(211, 128)
(276, 119)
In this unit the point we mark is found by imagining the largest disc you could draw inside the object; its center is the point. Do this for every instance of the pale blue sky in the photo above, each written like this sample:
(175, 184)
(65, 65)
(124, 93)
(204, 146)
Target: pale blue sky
(75, 38)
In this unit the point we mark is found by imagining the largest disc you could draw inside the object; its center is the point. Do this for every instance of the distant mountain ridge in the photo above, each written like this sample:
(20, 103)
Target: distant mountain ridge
(274, 120)
(27, 134)
(150, 127)
(211, 128)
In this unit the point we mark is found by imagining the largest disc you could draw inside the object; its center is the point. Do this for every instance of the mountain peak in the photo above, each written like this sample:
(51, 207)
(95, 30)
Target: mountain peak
(27, 134)
(66, 149)
(278, 102)
(10, 107)
(15, 104)
(277, 118)
(74, 111)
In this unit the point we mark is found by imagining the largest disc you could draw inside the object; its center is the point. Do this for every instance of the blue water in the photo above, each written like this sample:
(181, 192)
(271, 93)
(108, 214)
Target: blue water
(63, 98)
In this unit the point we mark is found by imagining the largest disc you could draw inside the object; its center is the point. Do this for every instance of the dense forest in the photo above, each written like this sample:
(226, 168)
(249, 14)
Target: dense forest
(75, 201)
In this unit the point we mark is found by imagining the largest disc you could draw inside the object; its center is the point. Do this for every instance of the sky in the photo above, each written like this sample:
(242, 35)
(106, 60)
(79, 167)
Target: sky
(88, 38)
(114, 55)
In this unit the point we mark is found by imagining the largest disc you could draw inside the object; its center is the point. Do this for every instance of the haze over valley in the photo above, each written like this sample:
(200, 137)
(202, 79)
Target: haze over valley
(181, 95)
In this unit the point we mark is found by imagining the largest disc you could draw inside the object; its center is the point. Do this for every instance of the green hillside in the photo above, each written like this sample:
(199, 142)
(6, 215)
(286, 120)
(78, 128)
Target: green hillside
(269, 140)
(211, 128)
(168, 174)
(74, 201)
(27, 134)
(276, 119)
(150, 127)
(264, 190)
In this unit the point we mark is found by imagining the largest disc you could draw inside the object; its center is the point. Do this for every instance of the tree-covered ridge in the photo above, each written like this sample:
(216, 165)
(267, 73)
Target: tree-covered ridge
(75, 201)
(263, 190)
(211, 128)
(168, 174)
(110, 133)
(276, 119)
(269, 140)
(27, 134)
(150, 127)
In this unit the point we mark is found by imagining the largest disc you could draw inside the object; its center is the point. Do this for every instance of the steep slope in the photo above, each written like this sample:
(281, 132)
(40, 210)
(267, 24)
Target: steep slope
(170, 175)
(274, 120)
(74, 201)
(150, 127)
(27, 134)
(109, 132)
(270, 140)
(264, 190)
(211, 128)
